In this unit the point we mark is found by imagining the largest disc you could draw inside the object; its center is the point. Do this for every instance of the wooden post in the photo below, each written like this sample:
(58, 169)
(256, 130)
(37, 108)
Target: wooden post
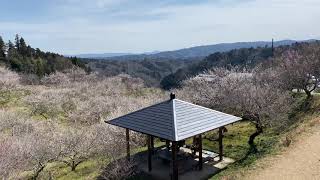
(174, 161)
(194, 148)
(220, 143)
(200, 152)
(149, 154)
(128, 144)
(152, 144)
(167, 144)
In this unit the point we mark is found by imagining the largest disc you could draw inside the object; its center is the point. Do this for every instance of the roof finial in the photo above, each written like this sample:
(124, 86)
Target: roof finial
(172, 96)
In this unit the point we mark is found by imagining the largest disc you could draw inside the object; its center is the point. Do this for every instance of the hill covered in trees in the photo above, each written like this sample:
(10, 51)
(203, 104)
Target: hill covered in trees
(237, 57)
(21, 57)
(169, 71)
(242, 58)
(151, 71)
(187, 53)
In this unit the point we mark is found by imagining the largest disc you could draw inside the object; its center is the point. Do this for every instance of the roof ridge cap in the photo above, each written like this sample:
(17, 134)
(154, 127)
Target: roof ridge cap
(175, 133)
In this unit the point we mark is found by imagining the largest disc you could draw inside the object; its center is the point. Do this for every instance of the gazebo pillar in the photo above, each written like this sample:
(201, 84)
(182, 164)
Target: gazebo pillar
(128, 144)
(168, 145)
(152, 144)
(174, 161)
(149, 153)
(220, 143)
(200, 152)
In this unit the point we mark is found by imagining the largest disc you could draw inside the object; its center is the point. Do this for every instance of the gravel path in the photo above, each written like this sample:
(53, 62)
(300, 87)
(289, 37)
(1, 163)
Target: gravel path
(300, 161)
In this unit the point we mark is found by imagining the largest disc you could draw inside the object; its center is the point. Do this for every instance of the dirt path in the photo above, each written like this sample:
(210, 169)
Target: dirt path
(300, 161)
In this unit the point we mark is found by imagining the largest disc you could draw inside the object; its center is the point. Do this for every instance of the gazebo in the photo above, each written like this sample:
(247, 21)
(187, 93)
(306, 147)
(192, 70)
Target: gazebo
(174, 121)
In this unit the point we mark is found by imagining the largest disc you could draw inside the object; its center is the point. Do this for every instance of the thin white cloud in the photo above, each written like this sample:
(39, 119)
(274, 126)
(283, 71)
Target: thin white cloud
(169, 27)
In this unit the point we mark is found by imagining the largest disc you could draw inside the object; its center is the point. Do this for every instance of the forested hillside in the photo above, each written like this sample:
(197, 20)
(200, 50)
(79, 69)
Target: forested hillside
(151, 71)
(170, 72)
(245, 57)
(242, 58)
(192, 52)
(21, 57)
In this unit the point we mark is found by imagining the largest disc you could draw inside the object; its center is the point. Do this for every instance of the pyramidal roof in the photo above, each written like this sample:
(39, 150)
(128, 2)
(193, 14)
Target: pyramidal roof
(174, 120)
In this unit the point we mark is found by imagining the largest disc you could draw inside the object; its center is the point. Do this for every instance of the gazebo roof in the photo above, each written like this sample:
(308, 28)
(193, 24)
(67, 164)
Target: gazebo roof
(174, 120)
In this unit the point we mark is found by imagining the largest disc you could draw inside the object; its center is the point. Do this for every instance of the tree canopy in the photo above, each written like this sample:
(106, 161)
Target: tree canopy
(21, 57)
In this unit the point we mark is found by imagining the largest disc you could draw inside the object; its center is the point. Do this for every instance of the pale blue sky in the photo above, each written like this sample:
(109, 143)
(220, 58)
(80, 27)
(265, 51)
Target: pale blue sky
(96, 26)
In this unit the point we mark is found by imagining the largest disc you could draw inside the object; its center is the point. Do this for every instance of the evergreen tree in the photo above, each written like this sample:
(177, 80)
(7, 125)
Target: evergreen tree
(10, 45)
(23, 58)
(40, 71)
(38, 53)
(13, 58)
(11, 51)
(2, 48)
(30, 51)
(17, 42)
(23, 47)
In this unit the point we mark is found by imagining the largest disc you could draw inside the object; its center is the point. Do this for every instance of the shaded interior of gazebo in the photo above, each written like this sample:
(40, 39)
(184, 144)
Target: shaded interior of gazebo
(174, 121)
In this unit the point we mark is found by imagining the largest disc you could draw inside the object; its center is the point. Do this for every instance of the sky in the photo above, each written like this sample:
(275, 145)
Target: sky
(135, 26)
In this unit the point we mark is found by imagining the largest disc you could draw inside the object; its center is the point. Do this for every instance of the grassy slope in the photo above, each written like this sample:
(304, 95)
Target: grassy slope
(12, 98)
(270, 143)
(235, 142)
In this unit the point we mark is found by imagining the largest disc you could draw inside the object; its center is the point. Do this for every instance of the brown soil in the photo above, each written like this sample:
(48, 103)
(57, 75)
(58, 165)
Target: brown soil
(299, 161)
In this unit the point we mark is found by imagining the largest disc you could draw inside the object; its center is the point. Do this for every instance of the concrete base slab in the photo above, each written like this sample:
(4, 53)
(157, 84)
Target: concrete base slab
(188, 168)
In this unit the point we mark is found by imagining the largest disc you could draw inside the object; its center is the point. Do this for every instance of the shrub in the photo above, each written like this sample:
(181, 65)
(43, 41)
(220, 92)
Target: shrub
(8, 79)
(55, 79)
(118, 169)
(241, 94)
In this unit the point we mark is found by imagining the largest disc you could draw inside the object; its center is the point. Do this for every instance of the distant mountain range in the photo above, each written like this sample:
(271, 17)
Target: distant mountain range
(100, 56)
(187, 53)
(109, 55)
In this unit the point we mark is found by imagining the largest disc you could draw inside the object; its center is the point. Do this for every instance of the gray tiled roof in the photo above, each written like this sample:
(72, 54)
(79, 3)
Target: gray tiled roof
(174, 120)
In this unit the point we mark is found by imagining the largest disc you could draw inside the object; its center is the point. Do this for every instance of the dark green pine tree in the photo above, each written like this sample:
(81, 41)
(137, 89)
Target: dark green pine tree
(17, 42)
(11, 50)
(10, 45)
(13, 58)
(40, 70)
(23, 58)
(2, 49)
(22, 47)
(38, 53)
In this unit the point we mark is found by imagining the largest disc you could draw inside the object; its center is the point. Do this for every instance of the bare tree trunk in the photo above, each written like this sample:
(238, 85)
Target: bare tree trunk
(308, 93)
(74, 165)
(309, 90)
(259, 130)
(73, 168)
(36, 174)
(255, 119)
